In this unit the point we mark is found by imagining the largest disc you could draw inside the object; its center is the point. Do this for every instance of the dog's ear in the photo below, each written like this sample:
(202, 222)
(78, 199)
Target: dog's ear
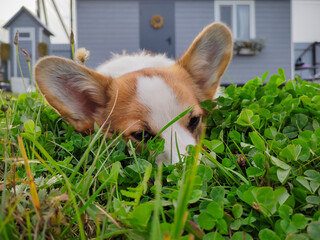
(208, 57)
(77, 93)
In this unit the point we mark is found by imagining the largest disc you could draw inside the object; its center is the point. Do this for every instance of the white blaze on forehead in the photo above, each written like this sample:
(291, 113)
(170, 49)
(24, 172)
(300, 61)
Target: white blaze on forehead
(163, 106)
(160, 99)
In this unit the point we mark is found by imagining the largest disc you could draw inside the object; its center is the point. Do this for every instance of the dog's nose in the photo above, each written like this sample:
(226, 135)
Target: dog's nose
(177, 139)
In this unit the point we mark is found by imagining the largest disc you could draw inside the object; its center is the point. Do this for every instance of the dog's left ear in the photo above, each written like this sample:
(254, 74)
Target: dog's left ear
(78, 94)
(207, 58)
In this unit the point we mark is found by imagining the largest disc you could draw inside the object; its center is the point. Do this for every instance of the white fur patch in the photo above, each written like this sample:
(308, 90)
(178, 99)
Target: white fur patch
(183, 137)
(219, 93)
(163, 107)
(122, 64)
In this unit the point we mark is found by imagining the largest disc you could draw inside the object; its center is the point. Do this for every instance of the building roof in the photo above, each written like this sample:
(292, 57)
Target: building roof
(26, 11)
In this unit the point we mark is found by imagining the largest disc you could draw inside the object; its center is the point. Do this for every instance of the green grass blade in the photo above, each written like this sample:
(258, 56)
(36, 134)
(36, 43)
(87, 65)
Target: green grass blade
(113, 174)
(168, 125)
(185, 191)
(43, 151)
(155, 227)
(28, 225)
(225, 172)
(75, 206)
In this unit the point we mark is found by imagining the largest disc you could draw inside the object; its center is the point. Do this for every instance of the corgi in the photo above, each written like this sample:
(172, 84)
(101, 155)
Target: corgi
(139, 94)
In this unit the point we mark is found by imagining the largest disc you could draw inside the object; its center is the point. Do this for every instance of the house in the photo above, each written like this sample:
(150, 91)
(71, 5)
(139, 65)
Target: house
(105, 27)
(32, 32)
(34, 37)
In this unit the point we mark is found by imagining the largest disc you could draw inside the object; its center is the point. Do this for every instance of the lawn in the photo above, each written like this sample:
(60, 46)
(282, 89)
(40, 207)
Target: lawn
(256, 177)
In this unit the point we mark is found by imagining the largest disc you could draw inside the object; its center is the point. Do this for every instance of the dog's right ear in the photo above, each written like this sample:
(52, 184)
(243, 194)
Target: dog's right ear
(207, 58)
(79, 94)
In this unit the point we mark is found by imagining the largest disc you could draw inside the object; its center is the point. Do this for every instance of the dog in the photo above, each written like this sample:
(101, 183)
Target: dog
(137, 95)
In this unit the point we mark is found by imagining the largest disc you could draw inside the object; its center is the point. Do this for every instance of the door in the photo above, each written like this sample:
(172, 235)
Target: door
(27, 42)
(157, 27)
(26, 45)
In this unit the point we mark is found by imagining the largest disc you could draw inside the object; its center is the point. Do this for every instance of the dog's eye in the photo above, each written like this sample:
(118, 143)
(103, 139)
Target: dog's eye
(193, 123)
(143, 135)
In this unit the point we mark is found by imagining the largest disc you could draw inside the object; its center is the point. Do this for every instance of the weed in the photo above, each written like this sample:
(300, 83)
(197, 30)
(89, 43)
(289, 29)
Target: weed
(255, 174)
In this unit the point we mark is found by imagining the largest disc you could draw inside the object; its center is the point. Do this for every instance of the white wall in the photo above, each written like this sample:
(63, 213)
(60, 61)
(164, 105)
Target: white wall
(306, 20)
(4, 34)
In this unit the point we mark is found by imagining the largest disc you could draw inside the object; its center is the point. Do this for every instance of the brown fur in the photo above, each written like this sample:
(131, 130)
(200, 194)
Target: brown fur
(127, 104)
(83, 96)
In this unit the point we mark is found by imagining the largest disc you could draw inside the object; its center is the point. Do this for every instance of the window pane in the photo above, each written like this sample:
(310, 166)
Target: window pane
(243, 22)
(226, 15)
(24, 35)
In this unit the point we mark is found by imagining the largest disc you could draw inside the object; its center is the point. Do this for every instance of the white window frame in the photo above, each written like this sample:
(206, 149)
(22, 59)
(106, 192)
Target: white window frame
(233, 3)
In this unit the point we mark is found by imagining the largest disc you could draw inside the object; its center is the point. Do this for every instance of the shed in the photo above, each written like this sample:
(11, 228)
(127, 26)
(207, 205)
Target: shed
(106, 26)
(31, 32)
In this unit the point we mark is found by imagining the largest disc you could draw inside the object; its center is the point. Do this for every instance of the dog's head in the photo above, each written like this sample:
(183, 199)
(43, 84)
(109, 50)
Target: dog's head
(142, 102)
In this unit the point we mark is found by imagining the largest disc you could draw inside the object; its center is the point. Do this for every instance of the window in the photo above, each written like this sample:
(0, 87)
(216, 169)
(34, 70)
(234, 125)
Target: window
(239, 16)
(24, 35)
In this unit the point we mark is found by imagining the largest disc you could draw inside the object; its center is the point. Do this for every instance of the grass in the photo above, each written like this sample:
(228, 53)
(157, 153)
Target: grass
(256, 177)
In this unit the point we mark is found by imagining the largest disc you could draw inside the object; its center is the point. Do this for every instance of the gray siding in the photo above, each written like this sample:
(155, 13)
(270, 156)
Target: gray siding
(107, 26)
(273, 23)
(46, 39)
(190, 18)
(61, 50)
(24, 20)
(113, 26)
